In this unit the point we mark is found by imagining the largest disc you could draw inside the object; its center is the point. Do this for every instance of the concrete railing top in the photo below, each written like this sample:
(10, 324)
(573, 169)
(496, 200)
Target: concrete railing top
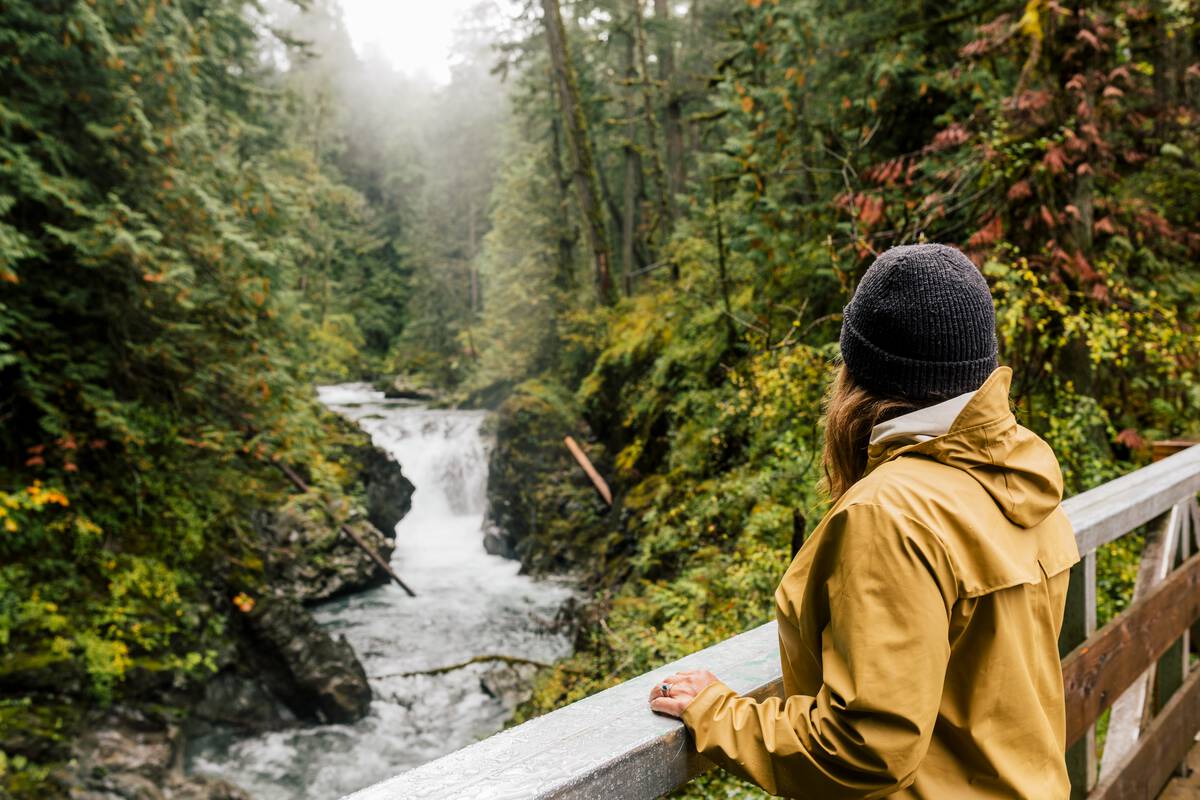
(611, 745)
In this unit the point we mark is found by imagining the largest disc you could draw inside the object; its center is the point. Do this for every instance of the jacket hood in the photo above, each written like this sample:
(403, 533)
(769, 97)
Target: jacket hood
(1013, 465)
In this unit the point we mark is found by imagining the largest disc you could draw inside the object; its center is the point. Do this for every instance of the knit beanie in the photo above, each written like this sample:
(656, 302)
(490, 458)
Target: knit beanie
(921, 325)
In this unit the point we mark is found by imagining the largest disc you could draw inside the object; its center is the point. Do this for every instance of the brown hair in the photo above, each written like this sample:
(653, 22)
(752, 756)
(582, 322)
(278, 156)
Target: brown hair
(851, 411)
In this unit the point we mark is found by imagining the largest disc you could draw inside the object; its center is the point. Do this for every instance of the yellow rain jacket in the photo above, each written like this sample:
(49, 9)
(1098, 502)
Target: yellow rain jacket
(918, 629)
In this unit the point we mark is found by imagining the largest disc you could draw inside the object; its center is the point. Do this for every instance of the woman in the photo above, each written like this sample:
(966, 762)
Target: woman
(918, 625)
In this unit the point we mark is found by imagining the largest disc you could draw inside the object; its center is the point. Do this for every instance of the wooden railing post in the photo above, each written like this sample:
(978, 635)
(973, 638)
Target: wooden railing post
(1192, 523)
(1173, 666)
(1160, 546)
(1079, 622)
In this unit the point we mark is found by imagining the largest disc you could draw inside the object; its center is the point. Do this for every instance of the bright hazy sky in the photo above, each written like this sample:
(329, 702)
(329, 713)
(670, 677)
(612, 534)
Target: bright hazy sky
(414, 35)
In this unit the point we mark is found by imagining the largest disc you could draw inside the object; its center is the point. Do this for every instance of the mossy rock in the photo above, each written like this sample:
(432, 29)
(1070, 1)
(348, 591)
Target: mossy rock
(542, 508)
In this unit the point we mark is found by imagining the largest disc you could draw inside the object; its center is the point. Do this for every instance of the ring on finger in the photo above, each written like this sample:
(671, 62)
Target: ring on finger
(665, 689)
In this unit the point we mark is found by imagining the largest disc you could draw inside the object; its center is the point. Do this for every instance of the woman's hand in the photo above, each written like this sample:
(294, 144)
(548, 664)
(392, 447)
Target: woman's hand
(683, 688)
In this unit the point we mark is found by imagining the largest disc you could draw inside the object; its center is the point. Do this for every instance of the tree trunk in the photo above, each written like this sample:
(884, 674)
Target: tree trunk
(583, 166)
(674, 117)
(564, 277)
(653, 154)
(630, 199)
(472, 248)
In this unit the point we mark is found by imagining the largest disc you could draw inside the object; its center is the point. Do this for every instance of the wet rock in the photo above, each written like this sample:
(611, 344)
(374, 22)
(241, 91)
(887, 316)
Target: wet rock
(316, 676)
(389, 493)
(404, 387)
(511, 684)
(130, 755)
(243, 701)
(307, 555)
(497, 542)
(310, 558)
(542, 509)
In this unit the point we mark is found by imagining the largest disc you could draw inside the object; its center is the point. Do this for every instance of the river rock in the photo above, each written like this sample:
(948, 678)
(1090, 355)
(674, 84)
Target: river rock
(242, 700)
(317, 676)
(127, 754)
(542, 509)
(405, 387)
(389, 492)
(511, 684)
(310, 558)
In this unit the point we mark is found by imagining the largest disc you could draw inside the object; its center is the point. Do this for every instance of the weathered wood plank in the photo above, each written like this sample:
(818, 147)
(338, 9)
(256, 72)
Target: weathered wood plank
(1097, 671)
(1173, 666)
(1113, 509)
(1125, 721)
(1161, 749)
(1079, 623)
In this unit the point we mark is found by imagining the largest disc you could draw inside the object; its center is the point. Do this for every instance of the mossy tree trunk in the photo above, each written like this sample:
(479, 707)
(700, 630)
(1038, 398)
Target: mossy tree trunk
(587, 183)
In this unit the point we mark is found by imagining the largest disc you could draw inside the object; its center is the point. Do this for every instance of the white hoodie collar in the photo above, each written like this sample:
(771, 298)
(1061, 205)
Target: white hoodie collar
(923, 424)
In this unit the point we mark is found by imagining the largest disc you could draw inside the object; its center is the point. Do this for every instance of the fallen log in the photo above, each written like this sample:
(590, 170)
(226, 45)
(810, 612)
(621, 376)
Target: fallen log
(511, 661)
(585, 462)
(299, 483)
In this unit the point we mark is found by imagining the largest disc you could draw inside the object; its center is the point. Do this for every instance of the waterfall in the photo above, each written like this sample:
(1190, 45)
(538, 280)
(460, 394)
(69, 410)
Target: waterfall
(468, 603)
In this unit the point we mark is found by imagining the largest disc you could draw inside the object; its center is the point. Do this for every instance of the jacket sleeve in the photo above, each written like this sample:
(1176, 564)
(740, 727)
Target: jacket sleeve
(883, 657)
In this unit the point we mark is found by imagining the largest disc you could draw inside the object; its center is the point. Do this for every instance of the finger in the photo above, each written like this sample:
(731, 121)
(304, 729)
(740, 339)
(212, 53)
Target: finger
(656, 690)
(671, 706)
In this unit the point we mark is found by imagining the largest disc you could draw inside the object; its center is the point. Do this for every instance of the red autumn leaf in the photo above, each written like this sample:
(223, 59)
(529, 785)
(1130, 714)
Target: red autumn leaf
(1072, 211)
(34, 461)
(1055, 159)
(1131, 439)
(1105, 225)
(989, 233)
(1090, 38)
(871, 211)
(1113, 91)
(1047, 217)
(1083, 268)
(1020, 190)
(975, 48)
(949, 137)
(1100, 292)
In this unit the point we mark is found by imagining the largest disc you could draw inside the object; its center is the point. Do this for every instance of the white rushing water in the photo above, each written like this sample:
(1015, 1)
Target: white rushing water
(468, 603)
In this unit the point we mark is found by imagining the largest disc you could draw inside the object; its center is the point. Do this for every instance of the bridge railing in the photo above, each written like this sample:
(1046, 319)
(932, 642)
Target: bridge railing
(610, 745)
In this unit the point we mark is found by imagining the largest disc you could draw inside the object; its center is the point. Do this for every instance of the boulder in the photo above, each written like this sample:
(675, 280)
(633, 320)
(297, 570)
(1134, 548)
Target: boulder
(406, 387)
(316, 676)
(542, 509)
(127, 754)
(310, 558)
(389, 493)
(511, 684)
(242, 701)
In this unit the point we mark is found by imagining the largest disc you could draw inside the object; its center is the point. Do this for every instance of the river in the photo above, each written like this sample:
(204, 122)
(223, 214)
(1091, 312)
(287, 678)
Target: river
(468, 603)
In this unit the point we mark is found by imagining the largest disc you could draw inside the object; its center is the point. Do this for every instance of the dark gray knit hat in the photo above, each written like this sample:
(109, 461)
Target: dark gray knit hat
(921, 325)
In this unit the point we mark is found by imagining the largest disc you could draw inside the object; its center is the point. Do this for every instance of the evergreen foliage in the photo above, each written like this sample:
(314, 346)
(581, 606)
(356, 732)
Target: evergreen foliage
(171, 257)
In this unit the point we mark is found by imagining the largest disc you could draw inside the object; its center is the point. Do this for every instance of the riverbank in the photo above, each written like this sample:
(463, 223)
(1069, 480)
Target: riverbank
(269, 664)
